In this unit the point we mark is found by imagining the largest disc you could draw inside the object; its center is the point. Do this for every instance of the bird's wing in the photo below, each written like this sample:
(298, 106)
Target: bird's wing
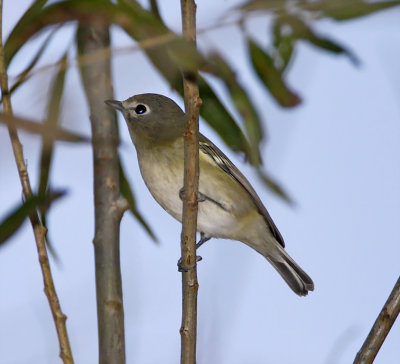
(222, 161)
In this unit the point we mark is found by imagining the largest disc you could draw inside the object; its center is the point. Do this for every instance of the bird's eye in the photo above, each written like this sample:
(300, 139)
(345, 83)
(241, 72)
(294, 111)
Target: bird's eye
(140, 109)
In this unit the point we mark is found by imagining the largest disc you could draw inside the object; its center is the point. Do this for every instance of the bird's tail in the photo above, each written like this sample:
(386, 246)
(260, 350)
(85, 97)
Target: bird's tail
(298, 280)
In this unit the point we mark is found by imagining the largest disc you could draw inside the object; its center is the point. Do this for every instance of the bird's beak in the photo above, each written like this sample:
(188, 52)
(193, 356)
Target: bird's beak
(115, 104)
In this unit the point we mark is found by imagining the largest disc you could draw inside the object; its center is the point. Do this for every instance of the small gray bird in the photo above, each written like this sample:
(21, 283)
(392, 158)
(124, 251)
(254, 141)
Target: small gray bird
(228, 207)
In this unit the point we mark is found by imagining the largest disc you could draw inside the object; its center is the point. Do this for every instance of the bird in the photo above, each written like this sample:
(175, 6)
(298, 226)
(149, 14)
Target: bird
(228, 208)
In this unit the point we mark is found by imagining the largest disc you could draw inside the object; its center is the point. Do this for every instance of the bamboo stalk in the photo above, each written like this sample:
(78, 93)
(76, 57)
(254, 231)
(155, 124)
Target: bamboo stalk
(190, 285)
(96, 79)
(381, 328)
(38, 229)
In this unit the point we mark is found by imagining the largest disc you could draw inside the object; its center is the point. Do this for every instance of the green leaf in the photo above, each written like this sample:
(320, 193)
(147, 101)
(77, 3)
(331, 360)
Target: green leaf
(349, 9)
(154, 8)
(333, 47)
(26, 73)
(300, 30)
(48, 133)
(127, 193)
(53, 113)
(265, 5)
(271, 77)
(28, 17)
(336, 9)
(284, 44)
(275, 187)
(17, 217)
(219, 118)
(252, 122)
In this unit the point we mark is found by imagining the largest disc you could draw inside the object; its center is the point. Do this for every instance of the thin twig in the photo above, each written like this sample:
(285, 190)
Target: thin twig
(190, 285)
(381, 328)
(38, 229)
(96, 79)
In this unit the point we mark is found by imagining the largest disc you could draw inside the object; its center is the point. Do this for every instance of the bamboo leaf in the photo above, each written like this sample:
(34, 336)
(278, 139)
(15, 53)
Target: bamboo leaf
(127, 193)
(275, 187)
(333, 47)
(337, 9)
(265, 5)
(252, 122)
(300, 30)
(284, 43)
(155, 9)
(271, 77)
(48, 133)
(53, 113)
(219, 118)
(30, 15)
(25, 74)
(348, 9)
(16, 218)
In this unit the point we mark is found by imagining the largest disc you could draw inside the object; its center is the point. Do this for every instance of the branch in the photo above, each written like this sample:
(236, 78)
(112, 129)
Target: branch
(381, 328)
(190, 285)
(38, 229)
(96, 79)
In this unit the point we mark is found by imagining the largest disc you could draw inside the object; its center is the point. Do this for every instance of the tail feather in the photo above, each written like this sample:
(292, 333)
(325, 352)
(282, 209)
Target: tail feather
(294, 276)
(298, 280)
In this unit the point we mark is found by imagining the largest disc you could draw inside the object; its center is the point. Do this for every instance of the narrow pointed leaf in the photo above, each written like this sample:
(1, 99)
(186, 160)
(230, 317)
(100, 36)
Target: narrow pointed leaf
(26, 73)
(219, 118)
(45, 131)
(336, 9)
(300, 30)
(284, 45)
(348, 9)
(265, 5)
(252, 122)
(154, 8)
(53, 113)
(275, 187)
(271, 77)
(333, 47)
(29, 16)
(127, 193)
(17, 217)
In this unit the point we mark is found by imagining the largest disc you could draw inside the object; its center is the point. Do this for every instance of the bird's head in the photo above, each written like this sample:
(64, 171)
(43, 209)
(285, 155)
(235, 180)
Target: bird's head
(151, 116)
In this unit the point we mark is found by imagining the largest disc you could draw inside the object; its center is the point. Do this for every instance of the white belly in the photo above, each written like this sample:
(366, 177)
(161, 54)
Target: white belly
(164, 180)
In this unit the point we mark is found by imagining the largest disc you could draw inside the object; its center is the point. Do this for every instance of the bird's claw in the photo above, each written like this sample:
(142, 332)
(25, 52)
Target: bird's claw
(203, 239)
(200, 196)
(185, 268)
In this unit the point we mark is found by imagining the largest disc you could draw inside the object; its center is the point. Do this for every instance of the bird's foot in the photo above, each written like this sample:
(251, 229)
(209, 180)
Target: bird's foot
(200, 196)
(203, 239)
(186, 268)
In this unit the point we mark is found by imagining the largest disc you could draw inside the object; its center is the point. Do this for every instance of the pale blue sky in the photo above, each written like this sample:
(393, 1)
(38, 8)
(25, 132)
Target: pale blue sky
(337, 155)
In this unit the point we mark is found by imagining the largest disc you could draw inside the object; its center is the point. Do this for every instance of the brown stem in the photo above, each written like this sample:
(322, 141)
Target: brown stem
(190, 285)
(96, 79)
(381, 328)
(38, 229)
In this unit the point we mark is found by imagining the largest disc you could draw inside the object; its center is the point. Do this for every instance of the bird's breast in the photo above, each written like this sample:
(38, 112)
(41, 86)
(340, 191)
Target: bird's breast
(226, 202)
